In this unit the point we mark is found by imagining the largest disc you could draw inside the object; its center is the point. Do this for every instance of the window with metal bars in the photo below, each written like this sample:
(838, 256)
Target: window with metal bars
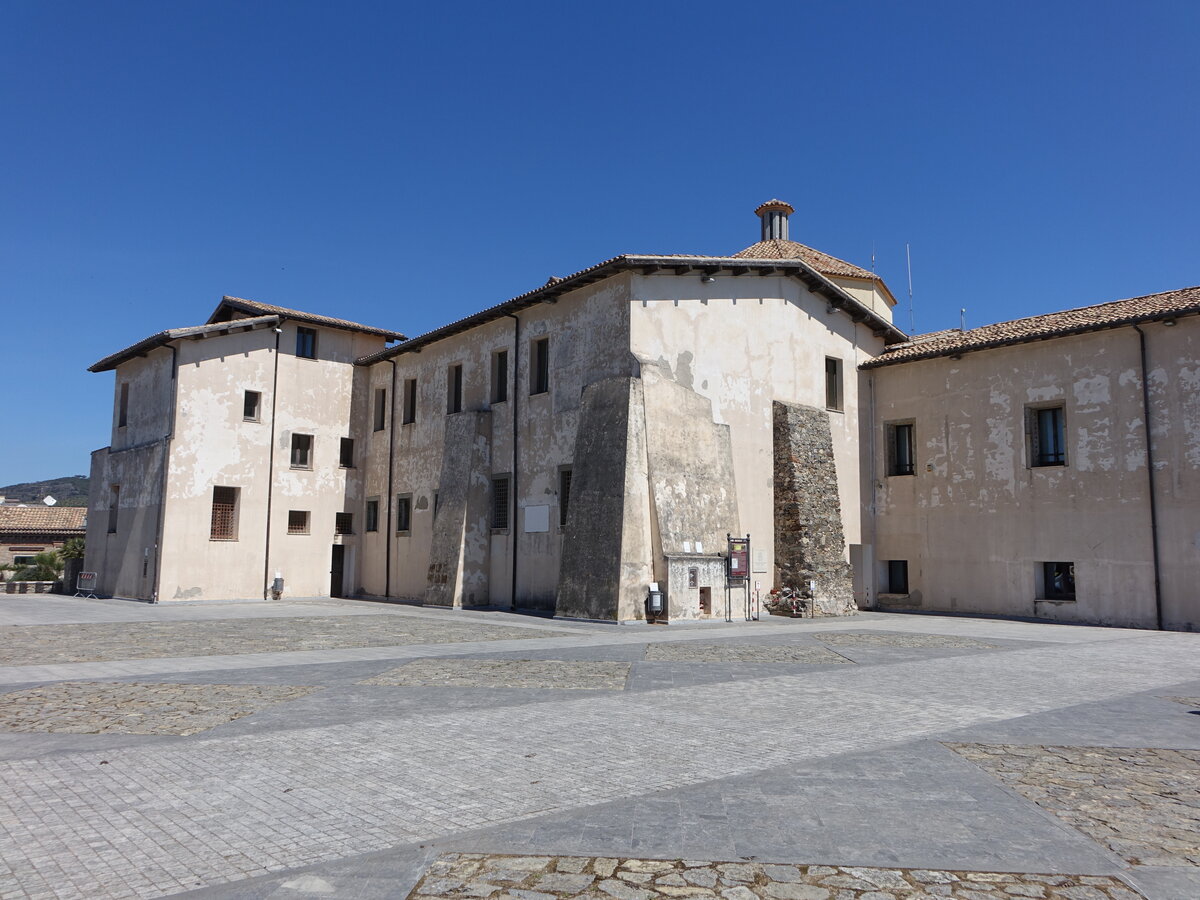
(224, 514)
(500, 484)
(564, 494)
(298, 521)
(343, 523)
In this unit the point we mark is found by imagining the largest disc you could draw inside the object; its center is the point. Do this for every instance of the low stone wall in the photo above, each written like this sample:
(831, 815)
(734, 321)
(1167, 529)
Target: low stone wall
(28, 587)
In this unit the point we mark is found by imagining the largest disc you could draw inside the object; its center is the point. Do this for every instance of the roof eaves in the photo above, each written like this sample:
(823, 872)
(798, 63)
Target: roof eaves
(253, 306)
(144, 346)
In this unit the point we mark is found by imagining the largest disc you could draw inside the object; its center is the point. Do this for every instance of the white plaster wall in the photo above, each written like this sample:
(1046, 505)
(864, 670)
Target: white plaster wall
(975, 520)
(868, 293)
(743, 342)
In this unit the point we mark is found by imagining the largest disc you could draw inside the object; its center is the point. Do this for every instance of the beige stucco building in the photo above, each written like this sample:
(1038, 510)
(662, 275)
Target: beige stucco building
(568, 448)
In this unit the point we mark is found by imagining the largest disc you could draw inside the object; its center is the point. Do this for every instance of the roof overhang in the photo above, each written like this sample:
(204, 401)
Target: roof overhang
(196, 333)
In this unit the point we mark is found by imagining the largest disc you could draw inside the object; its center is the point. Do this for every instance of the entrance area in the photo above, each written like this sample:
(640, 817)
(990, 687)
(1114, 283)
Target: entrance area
(336, 566)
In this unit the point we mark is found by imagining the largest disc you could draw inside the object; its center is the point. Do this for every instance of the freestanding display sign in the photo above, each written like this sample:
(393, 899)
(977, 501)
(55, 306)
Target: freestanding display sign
(737, 571)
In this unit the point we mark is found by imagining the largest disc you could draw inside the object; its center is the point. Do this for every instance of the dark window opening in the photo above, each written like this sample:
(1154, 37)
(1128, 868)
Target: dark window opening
(123, 412)
(372, 523)
(897, 570)
(564, 494)
(410, 400)
(297, 521)
(454, 389)
(302, 451)
(900, 449)
(1058, 580)
(224, 514)
(500, 502)
(346, 453)
(833, 383)
(380, 408)
(1047, 428)
(251, 403)
(500, 376)
(541, 366)
(343, 523)
(404, 512)
(114, 504)
(306, 343)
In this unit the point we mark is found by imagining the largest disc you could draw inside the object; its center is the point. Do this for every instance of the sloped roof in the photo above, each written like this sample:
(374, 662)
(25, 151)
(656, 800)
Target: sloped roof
(1118, 313)
(229, 305)
(41, 519)
(822, 262)
(145, 345)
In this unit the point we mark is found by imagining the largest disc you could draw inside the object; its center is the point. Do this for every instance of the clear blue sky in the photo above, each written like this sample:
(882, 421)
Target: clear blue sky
(407, 164)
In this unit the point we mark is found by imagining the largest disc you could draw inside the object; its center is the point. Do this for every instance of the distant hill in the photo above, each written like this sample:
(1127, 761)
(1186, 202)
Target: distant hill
(69, 491)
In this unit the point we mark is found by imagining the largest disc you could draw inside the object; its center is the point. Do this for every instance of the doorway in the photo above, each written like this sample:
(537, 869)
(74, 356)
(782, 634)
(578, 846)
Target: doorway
(336, 566)
(706, 601)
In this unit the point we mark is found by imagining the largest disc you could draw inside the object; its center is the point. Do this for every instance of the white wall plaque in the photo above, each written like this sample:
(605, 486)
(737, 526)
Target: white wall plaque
(759, 562)
(537, 518)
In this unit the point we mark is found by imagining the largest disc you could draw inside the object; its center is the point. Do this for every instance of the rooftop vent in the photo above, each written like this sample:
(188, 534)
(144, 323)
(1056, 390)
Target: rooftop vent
(774, 215)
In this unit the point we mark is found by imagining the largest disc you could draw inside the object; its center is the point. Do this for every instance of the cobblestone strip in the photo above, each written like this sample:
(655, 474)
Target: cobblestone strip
(580, 675)
(681, 651)
(134, 708)
(457, 876)
(1143, 804)
(221, 808)
(917, 641)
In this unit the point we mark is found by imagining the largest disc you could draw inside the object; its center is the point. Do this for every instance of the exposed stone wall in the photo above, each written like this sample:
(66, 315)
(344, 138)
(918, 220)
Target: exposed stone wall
(809, 543)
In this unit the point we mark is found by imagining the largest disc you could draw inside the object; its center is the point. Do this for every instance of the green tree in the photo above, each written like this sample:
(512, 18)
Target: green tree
(72, 549)
(46, 566)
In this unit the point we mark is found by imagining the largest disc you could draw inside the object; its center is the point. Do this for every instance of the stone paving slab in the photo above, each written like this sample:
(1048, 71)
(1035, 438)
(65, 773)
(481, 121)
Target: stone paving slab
(455, 876)
(1193, 702)
(758, 653)
(508, 673)
(135, 708)
(916, 641)
(1141, 803)
(49, 644)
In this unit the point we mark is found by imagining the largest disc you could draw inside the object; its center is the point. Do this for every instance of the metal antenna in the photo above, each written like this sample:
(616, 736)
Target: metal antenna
(962, 319)
(912, 322)
(872, 257)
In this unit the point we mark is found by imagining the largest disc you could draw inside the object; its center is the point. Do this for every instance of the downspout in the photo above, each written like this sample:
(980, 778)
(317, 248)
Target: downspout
(166, 462)
(1158, 612)
(387, 540)
(516, 395)
(271, 465)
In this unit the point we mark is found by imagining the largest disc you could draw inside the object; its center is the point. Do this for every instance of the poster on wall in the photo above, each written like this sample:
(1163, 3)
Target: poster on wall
(738, 559)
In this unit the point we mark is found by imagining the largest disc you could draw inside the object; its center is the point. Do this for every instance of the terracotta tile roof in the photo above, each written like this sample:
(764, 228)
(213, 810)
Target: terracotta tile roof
(223, 313)
(145, 345)
(1152, 307)
(39, 519)
(822, 262)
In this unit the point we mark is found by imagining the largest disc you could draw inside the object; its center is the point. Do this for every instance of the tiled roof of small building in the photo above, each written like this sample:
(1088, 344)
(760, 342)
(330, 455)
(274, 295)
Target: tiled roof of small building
(145, 345)
(822, 262)
(1152, 307)
(254, 308)
(41, 519)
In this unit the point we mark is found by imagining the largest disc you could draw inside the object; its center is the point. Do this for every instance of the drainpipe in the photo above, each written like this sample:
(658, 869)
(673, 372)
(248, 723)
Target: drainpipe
(271, 465)
(516, 395)
(1158, 613)
(166, 462)
(387, 540)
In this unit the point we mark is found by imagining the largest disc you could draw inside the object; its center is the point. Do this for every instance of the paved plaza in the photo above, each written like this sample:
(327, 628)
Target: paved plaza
(332, 748)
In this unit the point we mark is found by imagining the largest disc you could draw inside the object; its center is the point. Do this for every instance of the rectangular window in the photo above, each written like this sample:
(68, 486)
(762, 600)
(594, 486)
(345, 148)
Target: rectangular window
(302, 445)
(297, 521)
(897, 573)
(114, 504)
(306, 343)
(500, 502)
(343, 523)
(500, 376)
(410, 400)
(346, 453)
(20, 562)
(541, 366)
(833, 383)
(404, 512)
(380, 408)
(1058, 580)
(900, 448)
(123, 411)
(224, 514)
(250, 406)
(454, 388)
(1046, 427)
(564, 493)
(372, 515)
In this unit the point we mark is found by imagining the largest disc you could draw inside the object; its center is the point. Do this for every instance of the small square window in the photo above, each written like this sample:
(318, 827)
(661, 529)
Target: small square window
(500, 376)
(897, 574)
(224, 525)
(404, 512)
(343, 523)
(454, 389)
(1046, 432)
(298, 521)
(346, 453)
(302, 451)
(251, 403)
(1058, 581)
(306, 343)
(500, 485)
(540, 382)
(380, 408)
(833, 384)
(410, 401)
(900, 448)
(372, 523)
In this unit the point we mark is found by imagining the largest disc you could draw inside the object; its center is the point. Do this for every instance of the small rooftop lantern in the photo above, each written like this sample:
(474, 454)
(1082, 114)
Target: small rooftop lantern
(774, 215)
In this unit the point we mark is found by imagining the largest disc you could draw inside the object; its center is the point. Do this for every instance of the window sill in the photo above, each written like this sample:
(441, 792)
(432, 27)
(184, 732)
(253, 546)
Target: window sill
(223, 540)
(539, 393)
(256, 421)
(407, 532)
(298, 533)
(300, 468)
(1054, 600)
(834, 409)
(901, 474)
(498, 531)
(1061, 465)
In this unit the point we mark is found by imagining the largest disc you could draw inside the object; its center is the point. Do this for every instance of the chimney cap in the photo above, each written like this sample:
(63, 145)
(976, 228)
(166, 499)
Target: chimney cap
(772, 205)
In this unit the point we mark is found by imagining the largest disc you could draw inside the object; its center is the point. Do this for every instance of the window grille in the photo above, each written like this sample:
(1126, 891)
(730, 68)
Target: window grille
(297, 521)
(500, 502)
(224, 514)
(564, 494)
(343, 523)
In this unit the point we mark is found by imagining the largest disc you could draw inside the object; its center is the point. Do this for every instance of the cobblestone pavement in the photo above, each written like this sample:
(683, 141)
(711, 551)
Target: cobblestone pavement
(762, 653)
(1193, 702)
(1143, 804)
(133, 708)
(455, 876)
(145, 640)
(922, 641)
(508, 673)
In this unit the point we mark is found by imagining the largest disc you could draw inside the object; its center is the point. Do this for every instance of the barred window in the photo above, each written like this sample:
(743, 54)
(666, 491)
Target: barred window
(343, 523)
(224, 514)
(297, 521)
(500, 501)
(564, 493)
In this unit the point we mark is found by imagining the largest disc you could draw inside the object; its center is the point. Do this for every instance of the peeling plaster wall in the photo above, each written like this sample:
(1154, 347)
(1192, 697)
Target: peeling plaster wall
(975, 520)
(588, 331)
(742, 343)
